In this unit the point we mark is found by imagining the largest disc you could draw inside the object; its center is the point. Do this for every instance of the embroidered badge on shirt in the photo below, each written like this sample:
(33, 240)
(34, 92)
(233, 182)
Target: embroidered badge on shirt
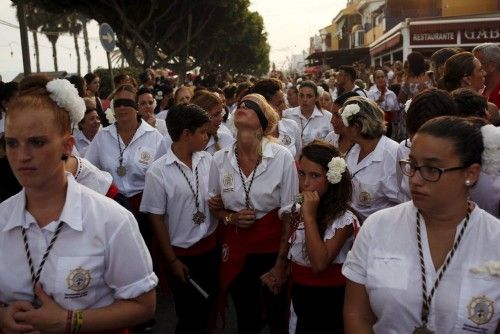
(145, 157)
(365, 199)
(78, 279)
(286, 140)
(480, 310)
(228, 182)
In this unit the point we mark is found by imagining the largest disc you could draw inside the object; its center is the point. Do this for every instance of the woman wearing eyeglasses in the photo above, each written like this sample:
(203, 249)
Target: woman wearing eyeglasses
(431, 265)
(256, 178)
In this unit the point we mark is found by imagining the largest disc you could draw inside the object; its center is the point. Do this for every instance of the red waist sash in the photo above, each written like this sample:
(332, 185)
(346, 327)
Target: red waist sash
(112, 191)
(262, 237)
(332, 276)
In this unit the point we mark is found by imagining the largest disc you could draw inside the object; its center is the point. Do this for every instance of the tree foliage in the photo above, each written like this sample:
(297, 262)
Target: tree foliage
(215, 34)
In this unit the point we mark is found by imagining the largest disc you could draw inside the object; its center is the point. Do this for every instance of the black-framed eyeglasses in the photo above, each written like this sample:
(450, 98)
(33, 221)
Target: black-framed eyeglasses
(428, 173)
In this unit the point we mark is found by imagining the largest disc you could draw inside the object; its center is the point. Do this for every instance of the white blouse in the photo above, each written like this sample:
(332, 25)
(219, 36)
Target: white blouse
(385, 260)
(92, 177)
(140, 153)
(289, 136)
(274, 186)
(315, 127)
(99, 256)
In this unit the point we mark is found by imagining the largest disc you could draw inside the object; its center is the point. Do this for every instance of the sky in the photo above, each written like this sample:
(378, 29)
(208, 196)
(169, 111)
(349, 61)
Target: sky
(288, 23)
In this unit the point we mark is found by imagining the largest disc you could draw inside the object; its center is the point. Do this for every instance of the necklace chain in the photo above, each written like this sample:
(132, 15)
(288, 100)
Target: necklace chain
(195, 193)
(427, 299)
(120, 146)
(35, 277)
(247, 190)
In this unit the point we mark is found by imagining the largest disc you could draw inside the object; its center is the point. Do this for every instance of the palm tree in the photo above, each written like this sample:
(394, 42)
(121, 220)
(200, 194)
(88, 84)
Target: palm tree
(75, 27)
(34, 17)
(53, 27)
(84, 21)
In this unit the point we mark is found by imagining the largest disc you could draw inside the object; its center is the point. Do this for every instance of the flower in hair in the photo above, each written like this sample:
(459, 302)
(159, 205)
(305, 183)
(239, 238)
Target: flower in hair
(336, 167)
(407, 105)
(110, 113)
(321, 91)
(348, 111)
(65, 95)
(491, 153)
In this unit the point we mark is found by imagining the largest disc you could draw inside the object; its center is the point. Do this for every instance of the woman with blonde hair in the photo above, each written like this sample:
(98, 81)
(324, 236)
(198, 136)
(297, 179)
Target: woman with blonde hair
(372, 160)
(255, 178)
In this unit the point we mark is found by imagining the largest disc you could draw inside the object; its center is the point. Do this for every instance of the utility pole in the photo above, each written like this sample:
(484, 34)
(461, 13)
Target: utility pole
(24, 37)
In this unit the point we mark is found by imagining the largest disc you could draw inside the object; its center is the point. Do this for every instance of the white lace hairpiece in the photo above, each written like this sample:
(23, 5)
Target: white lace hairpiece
(65, 95)
(348, 111)
(336, 167)
(491, 153)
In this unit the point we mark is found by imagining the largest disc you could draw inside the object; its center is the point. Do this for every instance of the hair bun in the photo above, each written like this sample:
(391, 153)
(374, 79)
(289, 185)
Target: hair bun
(33, 84)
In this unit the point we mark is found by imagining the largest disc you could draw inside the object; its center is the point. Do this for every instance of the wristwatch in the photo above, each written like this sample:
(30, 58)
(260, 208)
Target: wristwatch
(228, 219)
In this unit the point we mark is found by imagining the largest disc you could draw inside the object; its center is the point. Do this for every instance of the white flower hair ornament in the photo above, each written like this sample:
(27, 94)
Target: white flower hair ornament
(348, 111)
(321, 91)
(491, 153)
(65, 95)
(336, 167)
(110, 113)
(407, 105)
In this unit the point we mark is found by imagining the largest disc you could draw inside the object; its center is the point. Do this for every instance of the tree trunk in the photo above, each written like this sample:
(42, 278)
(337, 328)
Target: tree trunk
(54, 55)
(37, 52)
(87, 47)
(78, 60)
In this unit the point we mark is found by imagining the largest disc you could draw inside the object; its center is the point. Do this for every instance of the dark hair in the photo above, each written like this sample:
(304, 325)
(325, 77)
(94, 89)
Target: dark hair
(144, 90)
(243, 89)
(7, 91)
(87, 111)
(309, 84)
(77, 81)
(416, 64)
(465, 134)
(428, 104)
(469, 103)
(230, 91)
(336, 201)
(33, 94)
(349, 70)
(89, 77)
(119, 78)
(442, 55)
(267, 88)
(144, 77)
(185, 116)
(325, 87)
(395, 87)
(455, 68)
(344, 97)
(294, 88)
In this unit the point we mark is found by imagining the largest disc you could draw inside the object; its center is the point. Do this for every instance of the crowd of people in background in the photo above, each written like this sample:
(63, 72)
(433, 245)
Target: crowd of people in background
(362, 199)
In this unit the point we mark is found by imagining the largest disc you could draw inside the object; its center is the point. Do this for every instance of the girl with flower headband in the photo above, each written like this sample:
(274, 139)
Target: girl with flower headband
(64, 247)
(432, 264)
(324, 227)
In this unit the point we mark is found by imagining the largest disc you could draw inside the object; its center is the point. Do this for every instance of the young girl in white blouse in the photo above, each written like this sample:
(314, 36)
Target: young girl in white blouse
(323, 233)
(175, 196)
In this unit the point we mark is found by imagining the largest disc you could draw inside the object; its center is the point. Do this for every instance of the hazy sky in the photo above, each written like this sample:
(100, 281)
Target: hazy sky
(289, 24)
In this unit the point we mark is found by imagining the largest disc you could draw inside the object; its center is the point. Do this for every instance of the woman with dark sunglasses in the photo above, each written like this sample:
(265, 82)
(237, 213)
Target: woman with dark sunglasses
(431, 265)
(256, 179)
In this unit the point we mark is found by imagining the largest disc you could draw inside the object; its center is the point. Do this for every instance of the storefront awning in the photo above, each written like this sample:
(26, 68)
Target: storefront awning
(335, 58)
(390, 43)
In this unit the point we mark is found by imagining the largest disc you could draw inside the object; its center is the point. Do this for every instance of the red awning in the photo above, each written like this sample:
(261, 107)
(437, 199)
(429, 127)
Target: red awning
(390, 43)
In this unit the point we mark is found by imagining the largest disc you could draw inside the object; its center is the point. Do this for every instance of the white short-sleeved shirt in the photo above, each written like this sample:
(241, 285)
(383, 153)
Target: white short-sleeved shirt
(385, 260)
(333, 138)
(374, 178)
(98, 258)
(289, 136)
(104, 153)
(315, 127)
(486, 193)
(162, 114)
(403, 153)
(167, 193)
(81, 143)
(225, 139)
(161, 126)
(275, 183)
(297, 240)
(390, 102)
(92, 177)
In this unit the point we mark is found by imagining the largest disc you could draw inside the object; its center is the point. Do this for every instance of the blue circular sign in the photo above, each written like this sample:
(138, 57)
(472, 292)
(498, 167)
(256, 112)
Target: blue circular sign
(107, 37)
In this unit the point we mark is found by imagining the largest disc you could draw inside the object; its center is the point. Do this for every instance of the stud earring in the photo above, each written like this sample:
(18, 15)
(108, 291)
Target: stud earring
(467, 183)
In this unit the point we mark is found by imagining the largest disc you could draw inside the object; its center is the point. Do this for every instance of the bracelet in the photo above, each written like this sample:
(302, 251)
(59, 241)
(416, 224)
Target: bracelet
(76, 324)
(69, 322)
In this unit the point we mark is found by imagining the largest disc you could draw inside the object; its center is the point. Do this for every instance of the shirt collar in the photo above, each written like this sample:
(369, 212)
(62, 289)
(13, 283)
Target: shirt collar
(171, 158)
(71, 213)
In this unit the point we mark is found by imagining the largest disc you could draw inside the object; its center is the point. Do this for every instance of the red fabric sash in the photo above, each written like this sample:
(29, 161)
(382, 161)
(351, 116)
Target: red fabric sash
(135, 203)
(204, 245)
(262, 237)
(112, 191)
(332, 276)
